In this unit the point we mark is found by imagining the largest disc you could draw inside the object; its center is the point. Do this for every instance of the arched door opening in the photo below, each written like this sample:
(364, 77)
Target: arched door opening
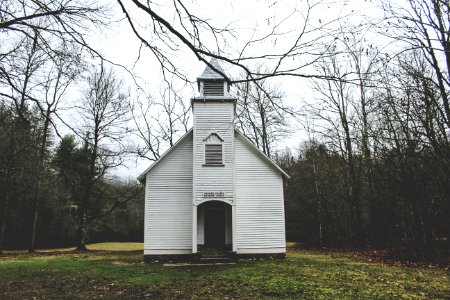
(214, 226)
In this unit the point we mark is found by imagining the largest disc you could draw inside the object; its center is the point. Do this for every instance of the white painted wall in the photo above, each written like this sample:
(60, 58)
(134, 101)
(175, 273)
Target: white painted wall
(168, 204)
(259, 203)
(213, 117)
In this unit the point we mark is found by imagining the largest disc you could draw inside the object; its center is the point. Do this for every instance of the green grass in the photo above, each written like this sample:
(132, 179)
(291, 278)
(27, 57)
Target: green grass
(292, 244)
(117, 246)
(117, 271)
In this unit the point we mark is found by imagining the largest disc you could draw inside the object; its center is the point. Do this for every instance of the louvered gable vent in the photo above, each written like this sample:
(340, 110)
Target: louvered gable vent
(213, 88)
(213, 154)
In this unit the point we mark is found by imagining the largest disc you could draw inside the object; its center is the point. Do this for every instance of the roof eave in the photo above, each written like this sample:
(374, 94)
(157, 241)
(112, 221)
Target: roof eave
(213, 98)
(221, 78)
(141, 177)
(263, 155)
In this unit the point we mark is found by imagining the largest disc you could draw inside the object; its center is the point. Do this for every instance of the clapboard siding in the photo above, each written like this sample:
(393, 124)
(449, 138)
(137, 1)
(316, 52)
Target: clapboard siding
(259, 202)
(168, 206)
(213, 117)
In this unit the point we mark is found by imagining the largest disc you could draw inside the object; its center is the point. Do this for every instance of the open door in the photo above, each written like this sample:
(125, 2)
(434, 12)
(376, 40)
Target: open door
(215, 225)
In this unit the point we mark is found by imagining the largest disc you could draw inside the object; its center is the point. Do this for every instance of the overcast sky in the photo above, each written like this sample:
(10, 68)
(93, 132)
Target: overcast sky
(248, 19)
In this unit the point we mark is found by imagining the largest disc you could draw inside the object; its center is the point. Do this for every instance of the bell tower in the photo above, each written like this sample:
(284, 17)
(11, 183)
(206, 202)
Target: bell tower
(213, 144)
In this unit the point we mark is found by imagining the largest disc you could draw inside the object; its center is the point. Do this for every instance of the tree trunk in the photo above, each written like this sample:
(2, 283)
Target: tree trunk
(34, 226)
(84, 203)
(3, 224)
(319, 207)
(81, 234)
(37, 188)
(368, 160)
(353, 193)
(265, 142)
(353, 185)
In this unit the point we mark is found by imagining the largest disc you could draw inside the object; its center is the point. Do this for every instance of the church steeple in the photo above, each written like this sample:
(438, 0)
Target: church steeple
(212, 84)
(213, 142)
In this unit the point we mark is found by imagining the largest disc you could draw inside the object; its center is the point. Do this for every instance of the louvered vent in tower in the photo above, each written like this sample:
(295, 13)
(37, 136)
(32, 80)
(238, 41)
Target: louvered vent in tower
(213, 88)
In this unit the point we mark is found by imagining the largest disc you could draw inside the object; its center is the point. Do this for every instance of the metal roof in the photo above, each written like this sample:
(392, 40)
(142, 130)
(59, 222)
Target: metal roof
(209, 73)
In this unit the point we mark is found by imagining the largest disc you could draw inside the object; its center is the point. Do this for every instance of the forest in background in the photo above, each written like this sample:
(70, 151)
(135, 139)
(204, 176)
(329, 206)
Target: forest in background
(374, 169)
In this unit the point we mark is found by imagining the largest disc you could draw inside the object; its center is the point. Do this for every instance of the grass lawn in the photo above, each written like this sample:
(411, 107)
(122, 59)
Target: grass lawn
(113, 270)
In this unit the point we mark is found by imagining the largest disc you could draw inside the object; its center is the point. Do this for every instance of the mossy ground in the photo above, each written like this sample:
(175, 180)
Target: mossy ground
(111, 270)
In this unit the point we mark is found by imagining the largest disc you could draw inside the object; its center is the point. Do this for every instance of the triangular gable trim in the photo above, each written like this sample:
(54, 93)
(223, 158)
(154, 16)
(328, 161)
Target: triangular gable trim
(141, 177)
(213, 134)
(261, 154)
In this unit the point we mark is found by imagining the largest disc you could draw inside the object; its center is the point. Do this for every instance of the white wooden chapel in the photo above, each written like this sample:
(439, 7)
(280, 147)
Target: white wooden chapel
(214, 188)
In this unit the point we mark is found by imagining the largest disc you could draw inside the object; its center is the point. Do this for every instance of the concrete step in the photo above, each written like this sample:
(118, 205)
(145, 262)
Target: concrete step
(210, 260)
(214, 257)
(209, 254)
(225, 255)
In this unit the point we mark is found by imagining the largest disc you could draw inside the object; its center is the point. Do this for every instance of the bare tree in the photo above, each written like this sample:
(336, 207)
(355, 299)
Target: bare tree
(363, 69)
(335, 110)
(24, 68)
(293, 37)
(105, 111)
(37, 78)
(63, 20)
(262, 114)
(160, 122)
(32, 33)
(414, 131)
(424, 25)
(61, 72)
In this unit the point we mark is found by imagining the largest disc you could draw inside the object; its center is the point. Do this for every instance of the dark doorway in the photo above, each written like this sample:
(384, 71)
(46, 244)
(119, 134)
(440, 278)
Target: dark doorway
(214, 228)
(215, 225)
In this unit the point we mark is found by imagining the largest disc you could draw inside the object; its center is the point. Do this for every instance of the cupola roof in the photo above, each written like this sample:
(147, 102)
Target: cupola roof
(210, 74)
